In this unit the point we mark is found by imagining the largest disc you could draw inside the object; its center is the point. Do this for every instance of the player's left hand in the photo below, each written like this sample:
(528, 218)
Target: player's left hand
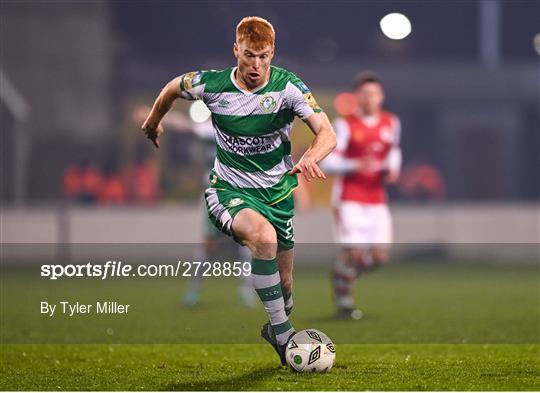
(309, 168)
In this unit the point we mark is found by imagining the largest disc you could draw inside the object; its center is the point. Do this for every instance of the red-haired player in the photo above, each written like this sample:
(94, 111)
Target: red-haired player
(249, 195)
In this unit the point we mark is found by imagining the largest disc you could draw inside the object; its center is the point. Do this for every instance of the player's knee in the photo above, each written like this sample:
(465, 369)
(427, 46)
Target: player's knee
(265, 234)
(263, 241)
(252, 228)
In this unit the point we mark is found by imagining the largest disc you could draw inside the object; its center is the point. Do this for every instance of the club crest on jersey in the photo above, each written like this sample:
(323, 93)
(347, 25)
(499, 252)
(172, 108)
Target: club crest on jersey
(235, 202)
(267, 103)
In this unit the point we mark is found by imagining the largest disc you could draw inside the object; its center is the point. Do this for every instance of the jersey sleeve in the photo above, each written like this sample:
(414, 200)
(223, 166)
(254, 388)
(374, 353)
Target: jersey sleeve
(397, 131)
(192, 85)
(394, 158)
(302, 101)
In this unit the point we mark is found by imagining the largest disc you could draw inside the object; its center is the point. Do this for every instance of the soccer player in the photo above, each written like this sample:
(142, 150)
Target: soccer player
(250, 198)
(367, 158)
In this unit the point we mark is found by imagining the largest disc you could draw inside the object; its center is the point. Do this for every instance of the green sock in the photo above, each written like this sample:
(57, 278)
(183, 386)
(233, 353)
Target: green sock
(267, 283)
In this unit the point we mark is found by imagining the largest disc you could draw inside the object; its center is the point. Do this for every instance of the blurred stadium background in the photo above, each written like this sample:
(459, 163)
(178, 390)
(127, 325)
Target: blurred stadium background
(75, 167)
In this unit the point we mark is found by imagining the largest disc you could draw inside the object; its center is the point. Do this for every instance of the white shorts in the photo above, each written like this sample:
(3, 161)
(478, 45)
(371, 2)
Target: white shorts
(363, 224)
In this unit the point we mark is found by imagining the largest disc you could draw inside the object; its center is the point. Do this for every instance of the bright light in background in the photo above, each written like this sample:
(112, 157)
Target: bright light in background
(536, 43)
(198, 112)
(395, 26)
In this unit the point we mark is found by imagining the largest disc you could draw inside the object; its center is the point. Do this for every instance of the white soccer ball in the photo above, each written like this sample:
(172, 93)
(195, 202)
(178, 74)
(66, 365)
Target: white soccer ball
(310, 350)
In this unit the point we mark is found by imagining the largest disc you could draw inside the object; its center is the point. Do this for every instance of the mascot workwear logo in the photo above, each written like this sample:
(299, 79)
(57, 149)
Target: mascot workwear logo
(248, 145)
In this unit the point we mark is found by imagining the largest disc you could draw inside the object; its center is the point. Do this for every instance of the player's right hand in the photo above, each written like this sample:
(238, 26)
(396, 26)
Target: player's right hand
(153, 133)
(308, 167)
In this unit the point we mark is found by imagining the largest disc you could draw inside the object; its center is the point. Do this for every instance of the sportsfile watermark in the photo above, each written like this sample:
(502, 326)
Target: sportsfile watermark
(173, 293)
(119, 269)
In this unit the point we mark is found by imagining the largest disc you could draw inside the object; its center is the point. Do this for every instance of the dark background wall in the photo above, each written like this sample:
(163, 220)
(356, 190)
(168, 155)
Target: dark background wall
(81, 65)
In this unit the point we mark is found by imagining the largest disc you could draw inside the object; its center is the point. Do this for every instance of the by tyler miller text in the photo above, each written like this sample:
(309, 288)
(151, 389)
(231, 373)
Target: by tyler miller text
(77, 308)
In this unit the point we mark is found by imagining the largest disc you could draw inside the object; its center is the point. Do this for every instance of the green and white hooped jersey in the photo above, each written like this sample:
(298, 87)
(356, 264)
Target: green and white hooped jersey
(252, 128)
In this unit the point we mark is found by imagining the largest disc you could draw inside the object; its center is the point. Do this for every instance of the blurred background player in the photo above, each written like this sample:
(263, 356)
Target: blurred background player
(367, 158)
(212, 237)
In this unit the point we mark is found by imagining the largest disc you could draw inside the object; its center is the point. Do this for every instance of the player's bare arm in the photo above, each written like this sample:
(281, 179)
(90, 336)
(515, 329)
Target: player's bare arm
(152, 126)
(324, 142)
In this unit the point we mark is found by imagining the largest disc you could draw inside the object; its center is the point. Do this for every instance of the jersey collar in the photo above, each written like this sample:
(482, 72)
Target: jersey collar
(233, 80)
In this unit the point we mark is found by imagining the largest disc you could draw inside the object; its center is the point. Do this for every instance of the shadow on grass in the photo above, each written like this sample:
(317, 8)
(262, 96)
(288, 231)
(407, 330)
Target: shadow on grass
(239, 382)
(333, 318)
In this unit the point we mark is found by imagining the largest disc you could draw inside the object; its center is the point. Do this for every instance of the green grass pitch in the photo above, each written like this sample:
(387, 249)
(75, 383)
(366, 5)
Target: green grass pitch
(253, 367)
(427, 327)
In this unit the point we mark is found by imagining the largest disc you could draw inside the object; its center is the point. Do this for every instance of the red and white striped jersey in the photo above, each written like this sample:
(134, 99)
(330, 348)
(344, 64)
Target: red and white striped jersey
(367, 138)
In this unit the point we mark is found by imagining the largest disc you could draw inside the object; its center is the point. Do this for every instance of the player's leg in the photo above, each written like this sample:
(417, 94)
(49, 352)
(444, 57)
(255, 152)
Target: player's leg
(248, 297)
(248, 220)
(253, 230)
(344, 275)
(193, 293)
(352, 227)
(382, 235)
(282, 215)
(373, 235)
(285, 260)
(201, 254)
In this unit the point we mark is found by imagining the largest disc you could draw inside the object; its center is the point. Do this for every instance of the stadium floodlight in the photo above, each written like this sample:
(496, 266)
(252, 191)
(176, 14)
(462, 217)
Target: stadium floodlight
(198, 112)
(395, 26)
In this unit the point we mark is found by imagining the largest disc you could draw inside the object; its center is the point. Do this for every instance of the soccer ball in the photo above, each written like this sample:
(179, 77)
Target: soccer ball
(310, 350)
